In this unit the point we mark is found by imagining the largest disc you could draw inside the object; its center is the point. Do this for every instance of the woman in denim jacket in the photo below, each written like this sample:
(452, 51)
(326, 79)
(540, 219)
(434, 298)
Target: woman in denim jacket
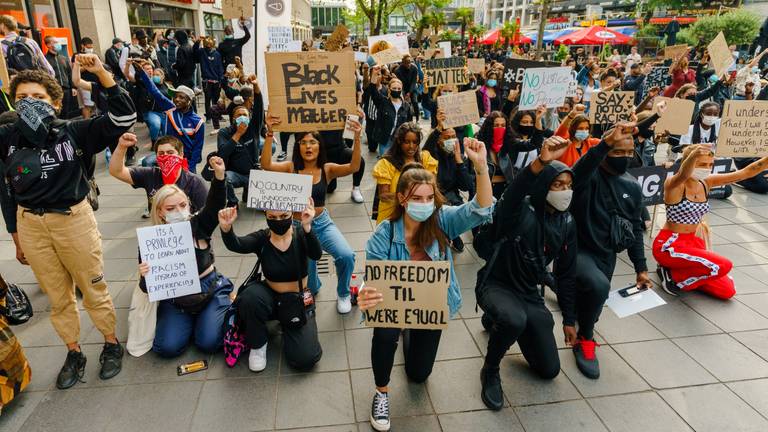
(420, 229)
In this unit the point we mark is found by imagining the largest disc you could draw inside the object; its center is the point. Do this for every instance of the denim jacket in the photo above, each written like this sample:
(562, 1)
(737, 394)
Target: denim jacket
(454, 220)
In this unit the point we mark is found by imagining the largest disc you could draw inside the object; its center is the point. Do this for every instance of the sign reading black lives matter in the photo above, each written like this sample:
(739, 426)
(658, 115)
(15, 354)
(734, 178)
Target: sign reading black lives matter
(415, 294)
(269, 190)
(651, 179)
(169, 251)
(445, 71)
(312, 90)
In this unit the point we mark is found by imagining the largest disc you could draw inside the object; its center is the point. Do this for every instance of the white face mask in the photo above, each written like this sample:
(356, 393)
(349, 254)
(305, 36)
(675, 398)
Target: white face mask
(88, 50)
(176, 216)
(450, 144)
(560, 200)
(709, 120)
(701, 173)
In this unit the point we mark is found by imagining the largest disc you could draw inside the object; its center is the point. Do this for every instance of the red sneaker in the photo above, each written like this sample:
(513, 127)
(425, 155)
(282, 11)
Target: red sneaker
(586, 360)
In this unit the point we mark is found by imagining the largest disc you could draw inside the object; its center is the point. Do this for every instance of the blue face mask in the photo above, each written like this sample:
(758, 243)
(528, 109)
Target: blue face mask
(420, 211)
(581, 135)
(57, 47)
(491, 83)
(229, 36)
(714, 78)
(242, 120)
(157, 80)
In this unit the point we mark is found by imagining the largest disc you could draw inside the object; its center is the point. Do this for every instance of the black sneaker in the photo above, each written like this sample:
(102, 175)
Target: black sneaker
(667, 284)
(72, 371)
(458, 244)
(111, 360)
(380, 412)
(586, 360)
(492, 394)
(282, 156)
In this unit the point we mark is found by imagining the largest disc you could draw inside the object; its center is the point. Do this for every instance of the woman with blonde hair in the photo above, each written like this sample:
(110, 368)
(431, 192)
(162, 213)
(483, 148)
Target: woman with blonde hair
(196, 316)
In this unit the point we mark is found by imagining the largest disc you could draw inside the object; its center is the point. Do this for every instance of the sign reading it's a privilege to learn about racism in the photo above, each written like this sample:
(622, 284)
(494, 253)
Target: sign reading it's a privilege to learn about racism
(545, 86)
(460, 108)
(311, 90)
(170, 252)
(445, 71)
(269, 190)
(743, 129)
(609, 108)
(415, 294)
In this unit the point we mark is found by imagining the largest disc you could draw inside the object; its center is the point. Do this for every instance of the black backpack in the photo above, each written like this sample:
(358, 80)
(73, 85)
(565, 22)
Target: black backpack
(20, 56)
(18, 308)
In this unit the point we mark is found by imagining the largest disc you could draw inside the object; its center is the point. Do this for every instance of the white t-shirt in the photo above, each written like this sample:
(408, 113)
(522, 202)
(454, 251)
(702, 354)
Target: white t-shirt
(686, 139)
(632, 59)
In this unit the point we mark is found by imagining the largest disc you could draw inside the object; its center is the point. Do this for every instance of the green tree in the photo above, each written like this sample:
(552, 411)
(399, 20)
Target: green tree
(507, 32)
(561, 53)
(477, 31)
(377, 11)
(466, 16)
(436, 20)
(355, 21)
(416, 14)
(738, 26)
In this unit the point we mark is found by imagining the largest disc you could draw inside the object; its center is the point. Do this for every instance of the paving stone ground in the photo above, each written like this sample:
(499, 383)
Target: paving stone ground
(694, 364)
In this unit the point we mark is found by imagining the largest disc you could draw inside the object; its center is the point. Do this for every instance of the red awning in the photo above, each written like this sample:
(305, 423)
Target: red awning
(493, 36)
(594, 36)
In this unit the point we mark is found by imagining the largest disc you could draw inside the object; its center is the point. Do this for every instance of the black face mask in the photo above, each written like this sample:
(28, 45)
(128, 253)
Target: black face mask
(562, 114)
(691, 97)
(279, 226)
(619, 164)
(395, 94)
(525, 130)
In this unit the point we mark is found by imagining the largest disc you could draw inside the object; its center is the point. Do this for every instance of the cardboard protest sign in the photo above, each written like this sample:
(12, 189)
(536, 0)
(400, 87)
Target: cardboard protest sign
(675, 51)
(434, 53)
(311, 90)
(389, 55)
(743, 129)
(269, 190)
(609, 108)
(651, 179)
(170, 252)
(415, 294)
(658, 77)
(279, 37)
(547, 86)
(234, 9)
(674, 118)
(514, 69)
(387, 41)
(414, 52)
(446, 47)
(451, 70)
(460, 108)
(476, 65)
(4, 74)
(336, 40)
(719, 54)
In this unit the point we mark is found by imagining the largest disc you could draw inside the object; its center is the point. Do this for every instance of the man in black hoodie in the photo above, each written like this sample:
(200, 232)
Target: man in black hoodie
(609, 220)
(185, 61)
(533, 221)
(231, 47)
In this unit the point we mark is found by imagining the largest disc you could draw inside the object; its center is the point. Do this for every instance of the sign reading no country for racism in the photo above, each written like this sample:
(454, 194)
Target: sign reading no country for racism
(312, 90)
(169, 251)
(445, 71)
(415, 294)
(269, 190)
(743, 129)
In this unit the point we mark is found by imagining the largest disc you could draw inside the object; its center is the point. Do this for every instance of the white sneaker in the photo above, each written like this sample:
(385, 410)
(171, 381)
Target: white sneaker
(282, 156)
(146, 214)
(357, 196)
(214, 132)
(344, 304)
(257, 359)
(380, 412)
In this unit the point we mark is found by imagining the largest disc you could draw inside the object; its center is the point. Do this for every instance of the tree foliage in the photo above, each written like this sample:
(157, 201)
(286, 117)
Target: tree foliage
(738, 26)
(378, 11)
(466, 16)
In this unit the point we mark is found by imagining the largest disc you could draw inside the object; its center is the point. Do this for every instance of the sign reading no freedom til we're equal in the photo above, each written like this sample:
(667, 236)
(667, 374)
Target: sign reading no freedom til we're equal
(269, 190)
(415, 294)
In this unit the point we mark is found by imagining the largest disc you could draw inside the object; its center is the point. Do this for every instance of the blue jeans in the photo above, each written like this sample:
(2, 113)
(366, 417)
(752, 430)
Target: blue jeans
(175, 327)
(383, 147)
(234, 180)
(335, 244)
(153, 120)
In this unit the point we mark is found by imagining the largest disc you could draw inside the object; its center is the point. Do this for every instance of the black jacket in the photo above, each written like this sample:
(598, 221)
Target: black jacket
(596, 193)
(535, 237)
(451, 176)
(386, 117)
(231, 48)
(185, 60)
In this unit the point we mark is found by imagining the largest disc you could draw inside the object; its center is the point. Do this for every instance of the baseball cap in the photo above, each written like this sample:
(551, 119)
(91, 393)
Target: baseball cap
(188, 92)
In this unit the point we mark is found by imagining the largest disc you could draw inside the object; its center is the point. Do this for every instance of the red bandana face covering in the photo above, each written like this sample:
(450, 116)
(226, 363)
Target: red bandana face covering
(170, 166)
(498, 138)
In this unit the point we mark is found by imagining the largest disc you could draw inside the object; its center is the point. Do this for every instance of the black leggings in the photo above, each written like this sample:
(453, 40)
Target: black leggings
(373, 145)
(257, 306)
(593, 281)
(284, 137)
(212, 90)
(419, 347)
(343, 155)
(526, 321)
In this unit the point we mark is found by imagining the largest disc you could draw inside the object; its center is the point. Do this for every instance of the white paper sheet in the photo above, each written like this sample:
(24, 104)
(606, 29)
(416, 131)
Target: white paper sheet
(626, 306)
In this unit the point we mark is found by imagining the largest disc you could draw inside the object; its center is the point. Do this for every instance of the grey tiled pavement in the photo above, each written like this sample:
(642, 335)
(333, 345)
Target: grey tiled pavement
(694, 364)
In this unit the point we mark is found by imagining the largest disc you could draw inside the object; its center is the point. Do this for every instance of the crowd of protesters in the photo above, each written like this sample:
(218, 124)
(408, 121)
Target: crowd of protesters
(508, 182)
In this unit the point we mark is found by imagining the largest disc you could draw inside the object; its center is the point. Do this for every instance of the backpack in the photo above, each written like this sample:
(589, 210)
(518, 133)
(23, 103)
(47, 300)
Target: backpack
(18, 308)
(20, 56)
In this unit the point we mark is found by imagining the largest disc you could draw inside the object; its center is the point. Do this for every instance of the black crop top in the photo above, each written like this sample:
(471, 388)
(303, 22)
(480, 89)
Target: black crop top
(203, 223)
(319, 190)
(277, 266)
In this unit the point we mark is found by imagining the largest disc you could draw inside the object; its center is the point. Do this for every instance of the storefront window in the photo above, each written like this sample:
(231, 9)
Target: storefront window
(214, 26)
(153, 17)
(42, 11)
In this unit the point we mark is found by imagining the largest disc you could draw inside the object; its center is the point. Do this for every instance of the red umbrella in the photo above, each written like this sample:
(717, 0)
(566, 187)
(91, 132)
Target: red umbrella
(594, 36)
(492, 36)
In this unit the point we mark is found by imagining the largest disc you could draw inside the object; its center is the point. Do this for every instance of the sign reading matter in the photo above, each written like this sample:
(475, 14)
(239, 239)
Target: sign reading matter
(719, 54)
(311, 90)
(460, 108)
(545, 86)
(652, 178)
(269, 190)
(415, 294)
(609, 108)
(743, 129)
(445, 71)
(169, 251)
